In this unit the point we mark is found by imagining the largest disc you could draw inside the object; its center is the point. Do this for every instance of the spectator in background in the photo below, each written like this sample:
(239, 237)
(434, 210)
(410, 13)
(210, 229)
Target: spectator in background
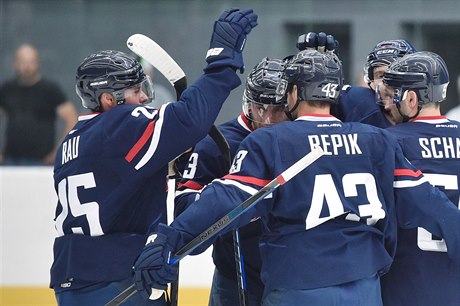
(31, 105)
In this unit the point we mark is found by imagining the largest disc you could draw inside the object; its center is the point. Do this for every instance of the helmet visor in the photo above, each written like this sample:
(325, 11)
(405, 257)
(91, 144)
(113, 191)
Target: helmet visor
(141, 93)
(266, 114)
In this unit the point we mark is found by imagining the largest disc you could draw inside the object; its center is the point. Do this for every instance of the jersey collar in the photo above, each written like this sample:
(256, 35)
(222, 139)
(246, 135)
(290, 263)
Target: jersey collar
(317, 117)
(431, 119)
(87, 116)
(244, 122)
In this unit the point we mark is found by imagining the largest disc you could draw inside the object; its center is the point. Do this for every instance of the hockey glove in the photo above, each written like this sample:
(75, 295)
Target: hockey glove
(152, 268)
(320, 42)
(228, 39)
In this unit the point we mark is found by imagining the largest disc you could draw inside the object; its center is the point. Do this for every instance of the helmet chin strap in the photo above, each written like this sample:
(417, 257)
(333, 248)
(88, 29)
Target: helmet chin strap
(289, 112)
(406, 118)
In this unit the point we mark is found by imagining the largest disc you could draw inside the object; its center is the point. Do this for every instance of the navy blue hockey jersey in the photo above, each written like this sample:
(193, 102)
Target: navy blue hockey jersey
(206, 164)
(358, 104)
(336, 221)
(422, 273)
(111, 175)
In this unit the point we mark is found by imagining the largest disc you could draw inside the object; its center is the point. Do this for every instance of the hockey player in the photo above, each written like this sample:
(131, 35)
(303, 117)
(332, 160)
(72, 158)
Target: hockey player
(330, 232)
(356, 103)
(110, 172)
(413, 89)
(207, 162)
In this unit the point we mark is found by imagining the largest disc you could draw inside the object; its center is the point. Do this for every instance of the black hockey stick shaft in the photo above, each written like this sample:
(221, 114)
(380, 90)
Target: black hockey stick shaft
(123, 296)
(240, 274)
(229, 218)
(224, 147)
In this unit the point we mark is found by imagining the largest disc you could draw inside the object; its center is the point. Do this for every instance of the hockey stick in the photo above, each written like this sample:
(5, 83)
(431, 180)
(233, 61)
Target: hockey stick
(239, 261)
(230, 217)
(154, 54)
(240, 275)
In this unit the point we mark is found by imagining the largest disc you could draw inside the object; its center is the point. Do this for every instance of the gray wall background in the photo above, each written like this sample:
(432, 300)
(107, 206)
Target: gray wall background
(66, 31)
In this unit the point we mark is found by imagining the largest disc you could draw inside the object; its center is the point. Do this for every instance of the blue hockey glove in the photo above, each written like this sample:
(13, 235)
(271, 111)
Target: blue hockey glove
(320, 42)
(152, 268)
(228, 39)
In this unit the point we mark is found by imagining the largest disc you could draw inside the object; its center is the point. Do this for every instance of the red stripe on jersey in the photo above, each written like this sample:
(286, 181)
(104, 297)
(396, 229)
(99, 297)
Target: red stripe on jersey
(247, 179)
(428, 118)
(407, 172)
(190, 185)
(247, 122)
(141, 142)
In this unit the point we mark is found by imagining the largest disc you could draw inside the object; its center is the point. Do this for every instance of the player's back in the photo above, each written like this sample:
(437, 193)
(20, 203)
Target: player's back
(106, 205)
(91, 162)
(422, 273)
(352, 183)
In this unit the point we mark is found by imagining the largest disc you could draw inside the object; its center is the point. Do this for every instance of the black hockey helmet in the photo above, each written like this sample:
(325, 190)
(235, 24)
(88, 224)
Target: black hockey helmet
(109, 71)
(423, 72)
(318, 76)
(384, 53)
(260, 90)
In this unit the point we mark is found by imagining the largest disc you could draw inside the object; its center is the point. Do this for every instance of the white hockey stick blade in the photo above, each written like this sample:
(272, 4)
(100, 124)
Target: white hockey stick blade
(156, 294)
(153, 53)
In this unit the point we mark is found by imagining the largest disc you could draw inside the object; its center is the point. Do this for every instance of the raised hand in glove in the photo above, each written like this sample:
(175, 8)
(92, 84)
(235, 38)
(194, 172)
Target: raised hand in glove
(320, 42)
(152, 268)
(228, 39)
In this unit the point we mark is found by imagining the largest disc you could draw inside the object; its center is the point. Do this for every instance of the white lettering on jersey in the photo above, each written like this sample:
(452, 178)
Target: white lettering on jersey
(326, 192)
(190, 170)
(425, 240)
(144, 111)
(336, 144)
(236, 166)
(70, 149)
(66, 285)
(68, 189)
(440, 147)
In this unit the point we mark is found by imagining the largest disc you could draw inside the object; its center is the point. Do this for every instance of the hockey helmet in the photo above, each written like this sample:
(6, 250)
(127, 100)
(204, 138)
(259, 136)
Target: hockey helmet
(318, 76)
(259, 97)
(112, 72)
(384, 53)
(424, 72)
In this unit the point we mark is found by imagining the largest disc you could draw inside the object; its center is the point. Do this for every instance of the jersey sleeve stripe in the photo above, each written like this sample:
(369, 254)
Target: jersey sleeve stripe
(155, 139)
(247, 179)
(409, 183)
(407, 172)
(141, 142)
(190, 185)
(181, 192)
(408, 178)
